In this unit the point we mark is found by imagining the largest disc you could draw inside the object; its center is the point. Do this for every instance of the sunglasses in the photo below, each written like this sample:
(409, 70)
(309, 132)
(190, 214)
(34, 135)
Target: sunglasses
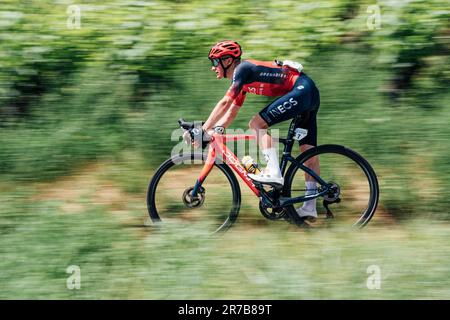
(215, 62)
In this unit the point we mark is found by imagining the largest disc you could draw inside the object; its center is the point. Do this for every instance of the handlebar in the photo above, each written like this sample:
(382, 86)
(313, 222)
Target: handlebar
(195, 129)
(185, 124)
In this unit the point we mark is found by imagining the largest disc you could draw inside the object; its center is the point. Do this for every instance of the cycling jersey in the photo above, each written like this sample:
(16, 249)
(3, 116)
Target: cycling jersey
(299, 94)
(261, 77)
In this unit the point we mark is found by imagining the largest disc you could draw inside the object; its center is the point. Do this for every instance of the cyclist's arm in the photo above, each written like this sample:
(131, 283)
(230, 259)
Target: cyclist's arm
(234, 97)
(229, 116)
(218, 112)
(232, 111)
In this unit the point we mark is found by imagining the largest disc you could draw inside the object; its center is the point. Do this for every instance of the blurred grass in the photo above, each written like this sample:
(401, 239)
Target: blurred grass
(89, 221)
(119, 258)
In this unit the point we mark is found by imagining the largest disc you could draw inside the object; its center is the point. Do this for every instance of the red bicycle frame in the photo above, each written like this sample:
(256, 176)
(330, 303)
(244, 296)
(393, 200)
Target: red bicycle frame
(217, 147)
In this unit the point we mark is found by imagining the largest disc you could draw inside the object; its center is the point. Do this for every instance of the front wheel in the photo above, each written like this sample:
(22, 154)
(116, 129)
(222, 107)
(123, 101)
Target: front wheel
(353, 196)
(170, 198)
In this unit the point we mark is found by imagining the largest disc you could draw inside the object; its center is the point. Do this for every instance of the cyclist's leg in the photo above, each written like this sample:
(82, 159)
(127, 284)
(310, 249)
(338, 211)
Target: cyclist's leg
(302, 98)
(272, 172)
(295, 102)
(309, 122)
(259, 125)
(282, 109)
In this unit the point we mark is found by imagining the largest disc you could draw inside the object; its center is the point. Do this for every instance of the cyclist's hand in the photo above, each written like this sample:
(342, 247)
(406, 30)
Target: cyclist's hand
(209, 133)
(197, 137)
(187, 137)
(201, 137)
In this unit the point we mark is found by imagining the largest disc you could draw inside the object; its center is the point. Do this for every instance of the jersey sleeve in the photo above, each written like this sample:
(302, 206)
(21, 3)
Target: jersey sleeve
(239, 100)
(239, 76)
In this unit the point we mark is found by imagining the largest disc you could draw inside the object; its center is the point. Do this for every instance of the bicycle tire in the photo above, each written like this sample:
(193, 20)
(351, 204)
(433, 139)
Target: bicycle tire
(367, 215)
(169, 163)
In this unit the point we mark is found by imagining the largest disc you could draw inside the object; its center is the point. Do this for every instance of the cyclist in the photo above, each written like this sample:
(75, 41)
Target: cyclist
(297, 95)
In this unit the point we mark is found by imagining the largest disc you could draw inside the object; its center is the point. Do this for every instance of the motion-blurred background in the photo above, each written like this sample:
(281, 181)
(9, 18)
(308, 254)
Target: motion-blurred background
(90, 92)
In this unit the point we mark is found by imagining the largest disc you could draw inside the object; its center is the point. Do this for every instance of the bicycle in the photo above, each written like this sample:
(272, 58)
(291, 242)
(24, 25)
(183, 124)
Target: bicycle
(180, 192)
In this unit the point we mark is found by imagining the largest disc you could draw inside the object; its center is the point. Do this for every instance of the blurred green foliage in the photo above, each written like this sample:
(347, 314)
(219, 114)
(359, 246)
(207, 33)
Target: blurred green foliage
(119, 82)
(98, 104)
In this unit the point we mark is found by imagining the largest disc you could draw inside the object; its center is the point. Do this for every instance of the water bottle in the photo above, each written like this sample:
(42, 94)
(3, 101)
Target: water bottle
(250, 165)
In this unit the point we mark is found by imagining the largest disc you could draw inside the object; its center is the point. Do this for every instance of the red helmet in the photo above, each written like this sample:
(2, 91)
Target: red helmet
(225, 48)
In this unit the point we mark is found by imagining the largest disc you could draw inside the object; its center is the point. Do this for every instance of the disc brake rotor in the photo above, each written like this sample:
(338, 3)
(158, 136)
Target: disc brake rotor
(193, 202)
(333, 192)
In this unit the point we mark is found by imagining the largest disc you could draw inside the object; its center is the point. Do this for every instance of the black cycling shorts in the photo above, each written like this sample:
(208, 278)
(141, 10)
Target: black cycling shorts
(303, 99)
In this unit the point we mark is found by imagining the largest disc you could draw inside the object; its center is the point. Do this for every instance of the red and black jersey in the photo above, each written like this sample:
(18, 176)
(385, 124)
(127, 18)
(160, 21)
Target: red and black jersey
(261, 77)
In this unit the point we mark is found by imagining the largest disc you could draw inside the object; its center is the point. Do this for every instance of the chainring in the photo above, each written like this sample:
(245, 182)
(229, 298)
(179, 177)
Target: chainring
(271, 213)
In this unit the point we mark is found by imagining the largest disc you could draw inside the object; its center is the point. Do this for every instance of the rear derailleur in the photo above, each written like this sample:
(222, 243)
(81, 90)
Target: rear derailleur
(331, 197)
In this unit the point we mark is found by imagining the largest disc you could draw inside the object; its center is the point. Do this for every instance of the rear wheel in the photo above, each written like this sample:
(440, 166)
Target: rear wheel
(353, 187)
(170, 199)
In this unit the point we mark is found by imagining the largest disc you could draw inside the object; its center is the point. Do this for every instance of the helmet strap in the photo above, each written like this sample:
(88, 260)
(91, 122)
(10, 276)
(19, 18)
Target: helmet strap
(225, 69)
